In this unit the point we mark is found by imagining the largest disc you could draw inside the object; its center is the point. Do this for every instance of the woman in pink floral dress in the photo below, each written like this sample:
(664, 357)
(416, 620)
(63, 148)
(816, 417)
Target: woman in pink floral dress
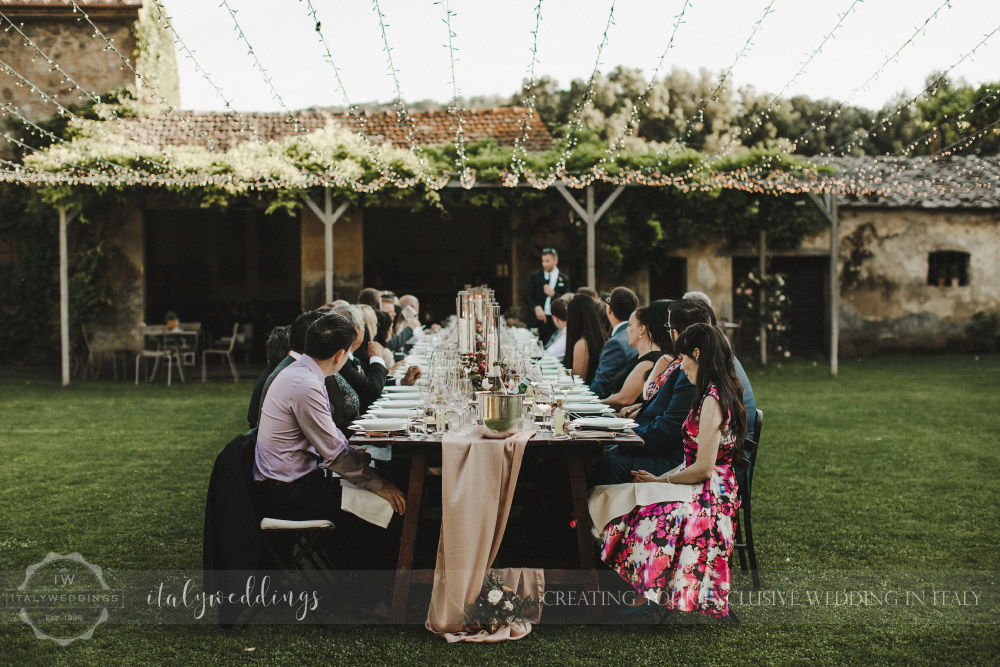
(676, 554)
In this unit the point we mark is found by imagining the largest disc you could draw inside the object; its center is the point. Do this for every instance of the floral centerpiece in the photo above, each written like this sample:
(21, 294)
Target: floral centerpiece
(497, 606)
(776, 308)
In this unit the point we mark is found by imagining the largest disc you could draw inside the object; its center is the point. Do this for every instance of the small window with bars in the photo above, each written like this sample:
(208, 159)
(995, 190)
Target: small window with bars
(948, 268)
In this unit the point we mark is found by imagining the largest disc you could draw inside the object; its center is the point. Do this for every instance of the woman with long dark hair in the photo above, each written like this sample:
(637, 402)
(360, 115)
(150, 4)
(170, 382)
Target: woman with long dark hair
(584, 337)
(676, 553)
(647, 333)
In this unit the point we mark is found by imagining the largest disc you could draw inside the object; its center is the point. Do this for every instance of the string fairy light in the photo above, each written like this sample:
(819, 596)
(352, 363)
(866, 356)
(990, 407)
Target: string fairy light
(511, 177)
(402, 113)
(751, 179)
(387, 175)
(66, 78)
(886, 120)
(921, 28)
(619, 142)
(467, 177)
(559, 170)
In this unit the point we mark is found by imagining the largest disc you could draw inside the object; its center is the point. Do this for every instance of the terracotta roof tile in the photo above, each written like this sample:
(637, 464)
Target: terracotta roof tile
(430, 127)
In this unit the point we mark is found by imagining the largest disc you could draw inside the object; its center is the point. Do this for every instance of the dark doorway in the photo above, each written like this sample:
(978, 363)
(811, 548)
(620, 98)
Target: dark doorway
(667, 278)
(434, 256)
(221, 267)
(806, 288)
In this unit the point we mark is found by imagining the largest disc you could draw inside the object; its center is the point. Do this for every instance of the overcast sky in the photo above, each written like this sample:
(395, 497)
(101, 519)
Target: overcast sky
(494, 42)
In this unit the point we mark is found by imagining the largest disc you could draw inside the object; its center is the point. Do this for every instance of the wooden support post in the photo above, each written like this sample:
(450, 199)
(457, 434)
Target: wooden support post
(591, 239)
(590, 218)
(831, 201)
(827, 205)
(761, 296)
(64, 219)
(328, 217)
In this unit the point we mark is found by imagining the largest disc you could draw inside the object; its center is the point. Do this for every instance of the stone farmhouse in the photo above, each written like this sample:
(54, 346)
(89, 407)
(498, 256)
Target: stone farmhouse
(912, 271)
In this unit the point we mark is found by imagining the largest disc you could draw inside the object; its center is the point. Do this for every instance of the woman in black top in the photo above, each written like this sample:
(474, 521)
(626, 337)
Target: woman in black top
(647, 333)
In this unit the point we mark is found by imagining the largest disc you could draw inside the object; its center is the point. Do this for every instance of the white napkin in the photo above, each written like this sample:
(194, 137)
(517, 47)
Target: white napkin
(364, 504)
(610, 501)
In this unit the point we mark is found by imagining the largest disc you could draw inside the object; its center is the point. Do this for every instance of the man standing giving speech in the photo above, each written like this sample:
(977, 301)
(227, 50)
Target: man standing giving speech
(543, 288)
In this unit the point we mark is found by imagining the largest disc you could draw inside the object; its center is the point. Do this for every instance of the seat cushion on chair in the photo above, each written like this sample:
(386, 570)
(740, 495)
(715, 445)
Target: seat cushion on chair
(287, 524)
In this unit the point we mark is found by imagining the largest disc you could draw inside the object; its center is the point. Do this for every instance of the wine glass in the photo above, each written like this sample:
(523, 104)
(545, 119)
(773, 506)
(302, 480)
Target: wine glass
(545, 400)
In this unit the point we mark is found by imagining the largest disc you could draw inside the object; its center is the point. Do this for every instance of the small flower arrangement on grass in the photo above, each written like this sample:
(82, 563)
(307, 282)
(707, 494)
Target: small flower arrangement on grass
(776, 309)
(497, 606)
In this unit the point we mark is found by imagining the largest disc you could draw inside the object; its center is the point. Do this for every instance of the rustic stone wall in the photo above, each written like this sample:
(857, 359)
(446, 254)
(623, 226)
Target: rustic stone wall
(711, 272)
(886, 303)
(71, 44)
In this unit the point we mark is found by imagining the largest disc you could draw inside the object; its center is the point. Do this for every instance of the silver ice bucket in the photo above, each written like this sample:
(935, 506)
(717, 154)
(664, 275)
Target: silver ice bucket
(500, 413)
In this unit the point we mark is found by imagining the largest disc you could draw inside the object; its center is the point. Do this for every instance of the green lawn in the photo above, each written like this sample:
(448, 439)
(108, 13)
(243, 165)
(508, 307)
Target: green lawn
(891, 467)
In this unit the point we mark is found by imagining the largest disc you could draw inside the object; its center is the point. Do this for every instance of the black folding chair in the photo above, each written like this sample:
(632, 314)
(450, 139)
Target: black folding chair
(296, 547)
(745, 547)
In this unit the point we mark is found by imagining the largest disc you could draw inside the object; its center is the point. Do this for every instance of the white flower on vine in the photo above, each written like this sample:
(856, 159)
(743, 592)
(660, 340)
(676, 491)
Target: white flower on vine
(494, 596)
(787, 353)
(508, 605)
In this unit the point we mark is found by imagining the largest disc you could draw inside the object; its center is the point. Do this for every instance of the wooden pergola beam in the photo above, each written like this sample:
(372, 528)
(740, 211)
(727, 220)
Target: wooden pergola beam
(328, 217)
(590, 217)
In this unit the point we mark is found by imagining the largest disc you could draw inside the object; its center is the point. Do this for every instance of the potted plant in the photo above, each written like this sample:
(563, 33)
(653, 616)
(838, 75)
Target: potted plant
(171, 319)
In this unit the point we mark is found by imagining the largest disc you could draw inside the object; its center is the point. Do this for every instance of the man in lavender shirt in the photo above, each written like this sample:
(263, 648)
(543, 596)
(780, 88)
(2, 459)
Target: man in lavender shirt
(296, 432)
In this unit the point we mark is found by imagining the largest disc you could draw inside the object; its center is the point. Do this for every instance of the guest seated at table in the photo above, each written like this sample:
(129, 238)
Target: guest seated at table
(296, 345)
(661, 417)
(616, 353)
(589, 291)
(277, 349)
(297, 432)
(327, 307)
(388, 302)
(556, 345)
(675, 553)
(704, 298)
(584, 337)
(384, 324)
(370, 296)
(345, 406)
(411, 316)
(647, 333)
(368, 381)
(410, 300)
(370, 317)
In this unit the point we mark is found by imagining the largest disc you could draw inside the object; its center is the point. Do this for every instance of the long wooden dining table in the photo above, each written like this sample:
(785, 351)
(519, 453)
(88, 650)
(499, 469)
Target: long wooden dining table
(576, 450)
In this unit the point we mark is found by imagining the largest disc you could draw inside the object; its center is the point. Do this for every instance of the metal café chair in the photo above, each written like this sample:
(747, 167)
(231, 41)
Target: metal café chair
(745, 546)
(161, 351)
(227, 352)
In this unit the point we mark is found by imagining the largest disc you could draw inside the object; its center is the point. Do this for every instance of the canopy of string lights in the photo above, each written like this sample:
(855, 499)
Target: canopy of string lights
(117, 145)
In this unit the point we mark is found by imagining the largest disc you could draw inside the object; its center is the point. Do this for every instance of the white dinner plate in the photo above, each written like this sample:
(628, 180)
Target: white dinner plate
(378, 424)
(400, 389)
(610, 423)
(380, 412)
(396, 404)
(587, 408)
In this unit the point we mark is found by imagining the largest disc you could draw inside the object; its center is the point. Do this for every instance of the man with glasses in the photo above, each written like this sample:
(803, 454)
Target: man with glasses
(544, 286)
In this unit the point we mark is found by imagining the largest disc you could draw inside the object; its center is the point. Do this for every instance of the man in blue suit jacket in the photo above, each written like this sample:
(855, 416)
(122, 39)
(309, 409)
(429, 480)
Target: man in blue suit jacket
(616, 353)
(661, 418)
